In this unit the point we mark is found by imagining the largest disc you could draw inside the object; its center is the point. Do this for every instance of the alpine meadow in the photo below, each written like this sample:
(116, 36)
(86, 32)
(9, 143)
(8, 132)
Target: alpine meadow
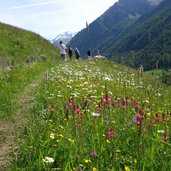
(89, 114)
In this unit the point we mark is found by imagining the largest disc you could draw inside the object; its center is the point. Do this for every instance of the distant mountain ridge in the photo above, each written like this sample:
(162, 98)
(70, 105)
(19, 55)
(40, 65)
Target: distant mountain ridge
(65, 37)
(113, 22)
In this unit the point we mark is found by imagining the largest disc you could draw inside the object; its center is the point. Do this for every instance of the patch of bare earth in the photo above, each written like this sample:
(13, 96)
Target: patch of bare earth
(6, 143)
(10, 130)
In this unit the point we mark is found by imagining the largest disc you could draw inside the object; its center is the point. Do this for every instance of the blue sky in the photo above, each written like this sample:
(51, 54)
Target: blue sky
(52, 17)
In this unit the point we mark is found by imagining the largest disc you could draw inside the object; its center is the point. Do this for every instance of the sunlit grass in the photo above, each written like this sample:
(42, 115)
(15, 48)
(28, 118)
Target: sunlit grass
(96, 115)
(12, 84)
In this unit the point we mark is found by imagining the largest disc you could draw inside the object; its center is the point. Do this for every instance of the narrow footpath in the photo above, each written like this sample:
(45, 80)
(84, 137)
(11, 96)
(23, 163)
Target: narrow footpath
(10, 130)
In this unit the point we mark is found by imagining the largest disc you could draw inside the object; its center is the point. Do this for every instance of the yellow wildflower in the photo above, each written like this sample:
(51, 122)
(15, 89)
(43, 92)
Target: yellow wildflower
(68, 82)
(113, 122)
(61, 126)
(127, 168)
(148, 114)
(61, 135)
(108, 141)
(135, 161)
(87, 160)
(95, 169)
(69, 139)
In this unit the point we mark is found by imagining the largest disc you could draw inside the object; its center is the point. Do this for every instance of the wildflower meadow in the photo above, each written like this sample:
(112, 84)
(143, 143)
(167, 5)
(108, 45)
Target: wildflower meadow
(97, 116)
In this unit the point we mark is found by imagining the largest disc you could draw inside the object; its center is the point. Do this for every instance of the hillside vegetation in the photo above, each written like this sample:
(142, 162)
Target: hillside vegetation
(25, 57)
(97, 115)
(18, 46)
(148, 39)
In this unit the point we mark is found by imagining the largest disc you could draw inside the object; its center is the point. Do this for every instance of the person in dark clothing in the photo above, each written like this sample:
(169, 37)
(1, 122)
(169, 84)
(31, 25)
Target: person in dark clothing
(70, 52)
(89, 54)
(77, 53)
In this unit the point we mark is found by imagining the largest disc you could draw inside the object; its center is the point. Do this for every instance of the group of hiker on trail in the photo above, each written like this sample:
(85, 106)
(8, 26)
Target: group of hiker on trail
(64, 50)
(70, 50)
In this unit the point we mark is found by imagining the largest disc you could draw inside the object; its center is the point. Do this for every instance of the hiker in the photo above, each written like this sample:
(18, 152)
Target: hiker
(141, 69)
(63, 49)
(89, 54)
(77, 53)
(70, 52)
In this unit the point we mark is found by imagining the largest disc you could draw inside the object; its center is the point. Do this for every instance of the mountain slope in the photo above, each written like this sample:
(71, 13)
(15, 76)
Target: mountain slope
(149, 37)
(114, 21)
(18, 46)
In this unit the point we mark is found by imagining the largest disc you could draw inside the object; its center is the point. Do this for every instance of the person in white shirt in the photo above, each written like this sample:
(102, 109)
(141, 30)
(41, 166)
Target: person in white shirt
(63, 49)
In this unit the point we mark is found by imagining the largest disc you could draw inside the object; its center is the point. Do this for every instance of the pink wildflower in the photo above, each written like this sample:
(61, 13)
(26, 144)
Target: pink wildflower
(70, 103)
(99, 108)
(149, 124)
(135, 104)
(111, 133)
(93, 153)
(156, 117)
(77, 109)
(107, 100)
(138, 119)
(127, 100)
(52, 109)
(165, 137)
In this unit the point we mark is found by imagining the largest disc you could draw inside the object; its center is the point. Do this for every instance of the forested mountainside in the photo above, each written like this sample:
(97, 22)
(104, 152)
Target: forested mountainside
(109, 25)
(148, 40)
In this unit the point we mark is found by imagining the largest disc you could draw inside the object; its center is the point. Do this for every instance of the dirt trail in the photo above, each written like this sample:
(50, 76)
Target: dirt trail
(9, 130)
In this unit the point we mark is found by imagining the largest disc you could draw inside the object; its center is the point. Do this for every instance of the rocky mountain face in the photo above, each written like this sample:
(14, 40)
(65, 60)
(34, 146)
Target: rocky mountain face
(109, 25)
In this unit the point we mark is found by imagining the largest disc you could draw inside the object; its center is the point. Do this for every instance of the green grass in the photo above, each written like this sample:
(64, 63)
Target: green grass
(97, 115)
(13, 83)
(163, 76)
(24, 55)
(18, 46)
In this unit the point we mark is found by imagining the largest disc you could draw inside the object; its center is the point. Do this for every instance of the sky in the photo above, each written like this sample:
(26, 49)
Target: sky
(52, 17)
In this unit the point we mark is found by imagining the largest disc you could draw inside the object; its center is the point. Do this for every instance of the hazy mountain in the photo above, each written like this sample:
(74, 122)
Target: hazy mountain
(113, 22)
(65, 37)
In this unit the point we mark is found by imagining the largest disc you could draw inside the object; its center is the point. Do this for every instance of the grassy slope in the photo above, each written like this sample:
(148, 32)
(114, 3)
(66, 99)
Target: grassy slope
(30, 56)
(69, 137)
(18, 46)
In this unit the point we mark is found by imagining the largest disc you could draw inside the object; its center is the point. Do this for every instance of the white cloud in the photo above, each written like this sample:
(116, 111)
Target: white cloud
(31, 5)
